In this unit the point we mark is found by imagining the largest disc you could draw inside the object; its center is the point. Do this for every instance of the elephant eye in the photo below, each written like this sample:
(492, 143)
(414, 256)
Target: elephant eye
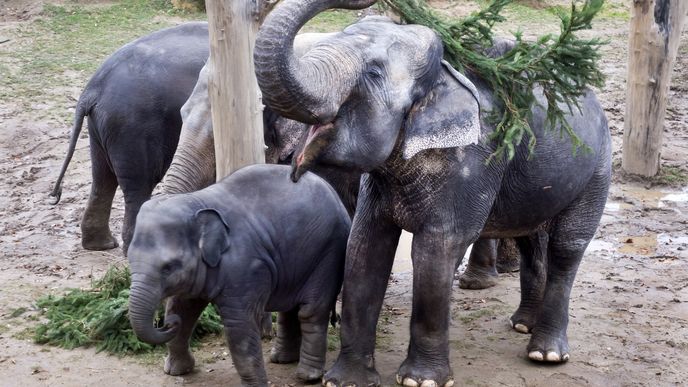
(374, 72)
(170, 267)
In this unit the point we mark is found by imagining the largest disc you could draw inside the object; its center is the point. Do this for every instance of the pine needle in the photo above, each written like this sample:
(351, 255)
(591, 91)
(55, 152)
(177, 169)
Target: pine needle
(99, 317)
(563, 66)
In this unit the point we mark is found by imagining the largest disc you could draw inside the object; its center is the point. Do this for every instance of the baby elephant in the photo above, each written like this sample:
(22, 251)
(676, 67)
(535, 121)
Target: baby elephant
(251, 243)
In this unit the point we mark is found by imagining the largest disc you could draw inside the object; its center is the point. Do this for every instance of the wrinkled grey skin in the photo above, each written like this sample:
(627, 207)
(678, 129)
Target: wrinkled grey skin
(193, 165)
(132, 103)
(381, 102)
(251, 243)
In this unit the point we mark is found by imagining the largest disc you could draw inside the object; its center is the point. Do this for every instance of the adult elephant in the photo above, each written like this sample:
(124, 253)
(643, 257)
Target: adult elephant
(193, 165)
(380, 100)
(132, 103)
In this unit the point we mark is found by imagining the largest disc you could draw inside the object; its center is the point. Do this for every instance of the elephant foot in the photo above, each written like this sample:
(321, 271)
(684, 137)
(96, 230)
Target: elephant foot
(284, 356)
(508, 256)
(309, 373)
(508, 265)
(474, 278)
(523, 320)
(179, 364)
(550, 348)
(98, 242)
(266, 326)
(415, 374)
(352, 373)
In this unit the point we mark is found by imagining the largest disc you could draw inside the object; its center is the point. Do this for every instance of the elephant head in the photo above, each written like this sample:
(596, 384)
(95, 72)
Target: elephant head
(366, 91)
(193, 165)
(172, 249)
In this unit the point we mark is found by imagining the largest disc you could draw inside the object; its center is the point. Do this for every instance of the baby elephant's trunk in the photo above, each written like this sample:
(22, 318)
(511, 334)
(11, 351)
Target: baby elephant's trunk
(143, 302)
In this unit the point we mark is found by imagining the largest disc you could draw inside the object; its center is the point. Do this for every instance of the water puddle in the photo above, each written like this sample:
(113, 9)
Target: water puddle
(638, 245)
(616, 206)
(676, 197)
(650, 198)
(599, 245)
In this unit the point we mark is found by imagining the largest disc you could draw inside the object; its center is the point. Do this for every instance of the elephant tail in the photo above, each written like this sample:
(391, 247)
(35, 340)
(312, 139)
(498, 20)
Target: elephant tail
(83, 108)
(334, 317)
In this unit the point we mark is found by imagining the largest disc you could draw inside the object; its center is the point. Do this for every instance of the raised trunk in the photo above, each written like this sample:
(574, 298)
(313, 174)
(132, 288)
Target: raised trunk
(292, 86)
(144, 299)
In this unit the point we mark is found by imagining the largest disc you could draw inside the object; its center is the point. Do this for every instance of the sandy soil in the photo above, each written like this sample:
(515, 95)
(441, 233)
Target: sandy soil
(629, 307)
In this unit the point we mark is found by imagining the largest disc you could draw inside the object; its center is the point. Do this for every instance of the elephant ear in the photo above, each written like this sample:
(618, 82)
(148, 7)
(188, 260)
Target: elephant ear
(214, 239)
(448, 116)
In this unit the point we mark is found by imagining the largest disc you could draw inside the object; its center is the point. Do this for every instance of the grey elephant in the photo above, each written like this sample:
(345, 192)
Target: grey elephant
(132, 103)
(381, 100)
(253, 242)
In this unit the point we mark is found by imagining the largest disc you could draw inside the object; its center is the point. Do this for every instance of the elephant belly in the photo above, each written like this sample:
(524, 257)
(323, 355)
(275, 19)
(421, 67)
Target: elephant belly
(531, 199)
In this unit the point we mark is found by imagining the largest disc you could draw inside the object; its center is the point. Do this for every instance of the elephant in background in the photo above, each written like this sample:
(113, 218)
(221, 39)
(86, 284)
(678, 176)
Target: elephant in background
(380, 100)
(253, 242)
(132, 107)
(134, 123)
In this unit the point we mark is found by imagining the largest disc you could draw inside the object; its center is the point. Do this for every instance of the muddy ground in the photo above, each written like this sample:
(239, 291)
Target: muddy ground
(629, 307)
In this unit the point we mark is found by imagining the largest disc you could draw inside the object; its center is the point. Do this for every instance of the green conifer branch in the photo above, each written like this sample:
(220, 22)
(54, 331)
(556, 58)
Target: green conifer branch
(563, 66)
(99, 317)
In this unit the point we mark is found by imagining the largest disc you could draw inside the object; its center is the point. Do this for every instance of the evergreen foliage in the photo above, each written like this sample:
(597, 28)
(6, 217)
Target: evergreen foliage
(98, 317)
(563, 65)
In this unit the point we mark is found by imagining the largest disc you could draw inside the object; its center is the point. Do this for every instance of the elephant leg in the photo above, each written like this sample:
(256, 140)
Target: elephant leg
(179, 360)
(133, 200)
(533, 273)
(508, 255)
(241, 315)
(570, 233)
(95, 227)
(481, 272)
(434, 259)
(266, 326)
(314, 320)
(288, 341)
(369, 257)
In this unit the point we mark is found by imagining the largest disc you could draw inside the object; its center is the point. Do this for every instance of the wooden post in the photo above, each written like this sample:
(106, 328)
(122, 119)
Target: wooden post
(235, 102)
(655, 31)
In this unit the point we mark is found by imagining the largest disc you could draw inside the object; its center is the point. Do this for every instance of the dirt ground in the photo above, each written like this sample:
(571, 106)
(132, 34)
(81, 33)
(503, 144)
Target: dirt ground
(629, 306)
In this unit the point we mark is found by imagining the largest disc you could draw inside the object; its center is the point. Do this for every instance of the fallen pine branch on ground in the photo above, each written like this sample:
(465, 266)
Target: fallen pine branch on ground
(99, 317)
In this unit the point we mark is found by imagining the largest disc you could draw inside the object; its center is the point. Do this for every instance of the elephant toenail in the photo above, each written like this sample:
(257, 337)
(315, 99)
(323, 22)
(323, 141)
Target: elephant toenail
(329, 384)
(535, 355)
(565, 357)
(399, 379)
(408, 382)
(552, 356)
(428, 383)
(521, 328)
(450, 383)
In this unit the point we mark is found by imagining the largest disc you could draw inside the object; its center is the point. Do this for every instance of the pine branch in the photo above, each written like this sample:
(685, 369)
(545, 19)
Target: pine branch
(99, 317)
(563, 66)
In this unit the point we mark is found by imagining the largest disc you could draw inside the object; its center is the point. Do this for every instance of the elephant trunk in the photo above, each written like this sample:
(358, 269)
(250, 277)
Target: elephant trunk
(193, 166)
(144, 299)
(296, 87)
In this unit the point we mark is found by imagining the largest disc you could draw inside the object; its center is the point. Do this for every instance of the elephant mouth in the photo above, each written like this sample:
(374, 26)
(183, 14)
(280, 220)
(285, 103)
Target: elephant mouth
(319, 135)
